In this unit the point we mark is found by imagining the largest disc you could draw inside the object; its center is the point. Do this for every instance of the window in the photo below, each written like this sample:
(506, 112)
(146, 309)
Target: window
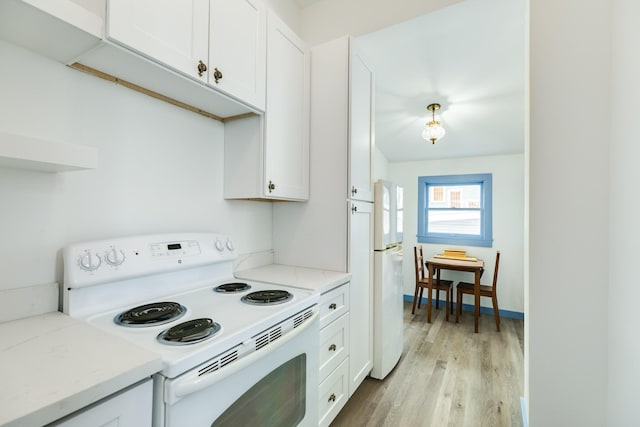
(455, 209)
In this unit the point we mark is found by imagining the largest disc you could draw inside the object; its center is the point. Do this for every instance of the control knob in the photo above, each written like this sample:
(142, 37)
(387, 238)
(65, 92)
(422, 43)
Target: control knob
(230, 245)
(89, 261)
(219, 245)
(114, 257)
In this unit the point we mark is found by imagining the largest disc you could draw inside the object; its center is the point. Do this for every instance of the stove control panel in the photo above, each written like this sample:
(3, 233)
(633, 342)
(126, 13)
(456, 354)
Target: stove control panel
(90, 263)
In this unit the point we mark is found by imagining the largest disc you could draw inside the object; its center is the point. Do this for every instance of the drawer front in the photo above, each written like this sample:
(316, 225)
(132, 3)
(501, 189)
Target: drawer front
(333, 393)
(334, 345)
(334, 304)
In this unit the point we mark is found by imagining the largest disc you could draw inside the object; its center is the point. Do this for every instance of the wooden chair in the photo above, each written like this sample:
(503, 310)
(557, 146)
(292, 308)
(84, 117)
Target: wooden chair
(422, 281)
(485, 291)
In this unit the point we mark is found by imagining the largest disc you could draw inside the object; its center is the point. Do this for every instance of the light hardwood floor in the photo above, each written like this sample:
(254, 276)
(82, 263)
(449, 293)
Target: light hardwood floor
(447, 376)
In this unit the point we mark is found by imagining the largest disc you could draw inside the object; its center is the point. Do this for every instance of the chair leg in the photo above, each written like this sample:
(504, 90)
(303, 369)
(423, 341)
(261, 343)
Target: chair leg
(415, 297)
(437, 297)
(446, 306)
(458, 305)
(451, 300)
(496, 312)
(420, 297)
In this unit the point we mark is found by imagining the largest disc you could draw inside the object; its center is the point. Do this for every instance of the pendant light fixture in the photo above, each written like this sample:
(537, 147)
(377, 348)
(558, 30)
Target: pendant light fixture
(434, 131)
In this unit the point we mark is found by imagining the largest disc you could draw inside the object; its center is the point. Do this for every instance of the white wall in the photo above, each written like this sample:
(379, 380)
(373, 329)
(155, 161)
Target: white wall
(508, 221)
(380, 165)
(159, 170)
(570, 89)
(624, 292)
(329, 19)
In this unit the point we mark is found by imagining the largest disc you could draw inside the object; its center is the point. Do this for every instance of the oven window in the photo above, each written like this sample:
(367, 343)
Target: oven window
(279, 399)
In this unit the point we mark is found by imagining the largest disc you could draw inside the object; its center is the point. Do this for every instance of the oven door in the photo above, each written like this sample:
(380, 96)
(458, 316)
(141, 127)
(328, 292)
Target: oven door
(276, 385)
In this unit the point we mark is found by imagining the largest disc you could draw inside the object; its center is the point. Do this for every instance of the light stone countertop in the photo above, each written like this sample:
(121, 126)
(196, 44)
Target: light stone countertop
(52, 365)
(299, 277)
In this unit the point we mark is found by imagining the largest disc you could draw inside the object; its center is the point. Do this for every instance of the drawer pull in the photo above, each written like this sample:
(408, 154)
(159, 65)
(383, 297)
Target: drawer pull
(202, 67)
(332, 398)
(332, 347)
(217, 75)
(332, 306)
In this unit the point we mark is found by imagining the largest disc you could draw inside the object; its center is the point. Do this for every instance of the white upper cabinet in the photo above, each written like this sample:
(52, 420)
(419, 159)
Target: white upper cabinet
(160, 48)
(287, 117)
(174, 33)
(219, 42)
(237, 49)
(268, 157)
(361, 131)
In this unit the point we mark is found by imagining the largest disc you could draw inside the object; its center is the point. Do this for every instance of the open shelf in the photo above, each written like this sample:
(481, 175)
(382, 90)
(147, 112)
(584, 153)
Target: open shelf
(24, 152)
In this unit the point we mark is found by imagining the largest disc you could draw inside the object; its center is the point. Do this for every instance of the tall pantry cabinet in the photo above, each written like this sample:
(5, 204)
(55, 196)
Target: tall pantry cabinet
(333, 230)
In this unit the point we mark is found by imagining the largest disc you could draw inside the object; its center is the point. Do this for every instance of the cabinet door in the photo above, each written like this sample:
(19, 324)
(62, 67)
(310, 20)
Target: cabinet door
(361, 130)
(171, 32)
(132, 407)
(237, 49)
(286, 148)
(361, 293)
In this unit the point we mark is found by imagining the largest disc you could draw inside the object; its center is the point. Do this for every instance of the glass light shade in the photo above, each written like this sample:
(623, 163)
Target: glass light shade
(433, 131)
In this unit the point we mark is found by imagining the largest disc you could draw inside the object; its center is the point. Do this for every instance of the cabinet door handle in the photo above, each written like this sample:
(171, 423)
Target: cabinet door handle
(332, 306)
(354, 209)
(332, 347)
(202, 68)
(332, 398)
(354, 191)
(271, 186)
(217, 75)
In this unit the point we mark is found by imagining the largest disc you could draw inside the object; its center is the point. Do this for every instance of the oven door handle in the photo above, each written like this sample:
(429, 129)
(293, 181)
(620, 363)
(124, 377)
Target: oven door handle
(190, 384)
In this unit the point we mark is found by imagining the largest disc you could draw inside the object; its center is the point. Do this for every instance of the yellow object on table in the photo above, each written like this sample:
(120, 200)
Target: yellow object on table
(458, 254)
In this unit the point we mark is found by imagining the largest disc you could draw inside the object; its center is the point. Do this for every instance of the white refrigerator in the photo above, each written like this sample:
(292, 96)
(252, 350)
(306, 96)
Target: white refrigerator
(388, 327)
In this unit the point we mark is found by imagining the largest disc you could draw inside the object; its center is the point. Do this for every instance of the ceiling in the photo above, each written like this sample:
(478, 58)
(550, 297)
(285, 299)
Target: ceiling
(469, 57)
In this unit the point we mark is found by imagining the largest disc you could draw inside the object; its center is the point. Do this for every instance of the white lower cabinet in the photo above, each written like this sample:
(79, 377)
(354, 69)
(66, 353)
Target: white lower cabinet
(334, 393)
(334, 353)
(130, 408)
(334, 342)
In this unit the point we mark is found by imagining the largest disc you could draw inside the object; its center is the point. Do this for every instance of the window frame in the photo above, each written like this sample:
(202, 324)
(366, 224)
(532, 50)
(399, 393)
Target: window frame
(485, 239)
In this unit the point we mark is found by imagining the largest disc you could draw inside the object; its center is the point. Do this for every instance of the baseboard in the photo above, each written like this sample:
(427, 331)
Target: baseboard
(469, 307)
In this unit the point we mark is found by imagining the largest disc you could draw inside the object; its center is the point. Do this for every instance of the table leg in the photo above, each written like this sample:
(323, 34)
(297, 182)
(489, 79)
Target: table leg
(430, 266)
(476, 292)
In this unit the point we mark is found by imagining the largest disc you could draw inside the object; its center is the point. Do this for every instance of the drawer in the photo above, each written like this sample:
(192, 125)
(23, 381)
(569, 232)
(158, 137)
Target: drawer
(334, 304)
(333, 394)
(334, 345)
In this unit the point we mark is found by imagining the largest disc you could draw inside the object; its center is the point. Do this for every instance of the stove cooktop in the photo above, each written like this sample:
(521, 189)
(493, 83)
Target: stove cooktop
(238, 321)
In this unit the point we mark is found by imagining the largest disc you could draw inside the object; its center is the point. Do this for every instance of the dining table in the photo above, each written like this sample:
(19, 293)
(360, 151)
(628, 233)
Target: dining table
(475, 266)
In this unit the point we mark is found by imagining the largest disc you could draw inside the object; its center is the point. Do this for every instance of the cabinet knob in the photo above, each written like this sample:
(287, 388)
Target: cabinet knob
(202, 68)
(332, 347)
(332, 398)
(332, 306)
(217, 75)
(271, 186)
(354, 209)
(354, 190)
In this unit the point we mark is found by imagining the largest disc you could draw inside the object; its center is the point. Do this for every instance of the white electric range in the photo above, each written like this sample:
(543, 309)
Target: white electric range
(232, 350)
